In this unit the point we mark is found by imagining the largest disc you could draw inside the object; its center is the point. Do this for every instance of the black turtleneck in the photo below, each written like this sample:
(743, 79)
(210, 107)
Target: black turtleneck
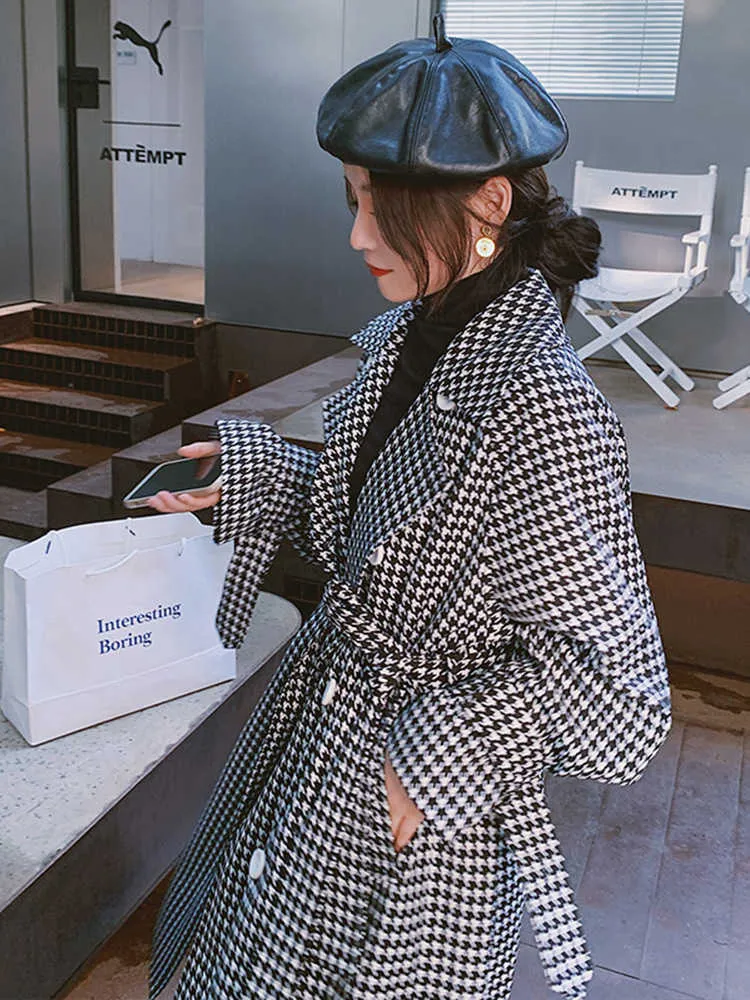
(425, 340)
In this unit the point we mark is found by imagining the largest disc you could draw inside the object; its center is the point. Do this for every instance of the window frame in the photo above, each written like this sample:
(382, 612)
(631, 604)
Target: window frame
(440, 6)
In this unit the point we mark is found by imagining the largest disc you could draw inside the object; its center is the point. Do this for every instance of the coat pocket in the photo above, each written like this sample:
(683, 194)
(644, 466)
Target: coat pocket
(387, 824)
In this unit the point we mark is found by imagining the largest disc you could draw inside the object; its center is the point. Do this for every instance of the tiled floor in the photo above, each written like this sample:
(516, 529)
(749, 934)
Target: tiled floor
(156, 280)
(662, 869)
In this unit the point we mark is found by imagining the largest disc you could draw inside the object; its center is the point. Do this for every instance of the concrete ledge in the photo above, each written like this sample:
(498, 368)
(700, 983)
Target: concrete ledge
(92, 821)
(706, 538)
(704, 620)
(22, 513)
(83, 497)
(281, 398)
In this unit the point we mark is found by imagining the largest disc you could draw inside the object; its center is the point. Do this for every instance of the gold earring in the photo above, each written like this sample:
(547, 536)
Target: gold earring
(485, 245)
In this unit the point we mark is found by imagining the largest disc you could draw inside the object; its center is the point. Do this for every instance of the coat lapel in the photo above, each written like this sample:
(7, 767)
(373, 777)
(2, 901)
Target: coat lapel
(430, 446)
(346, 415)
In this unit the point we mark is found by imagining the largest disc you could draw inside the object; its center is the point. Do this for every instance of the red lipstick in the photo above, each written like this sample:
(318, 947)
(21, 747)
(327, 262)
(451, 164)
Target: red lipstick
(378, 272)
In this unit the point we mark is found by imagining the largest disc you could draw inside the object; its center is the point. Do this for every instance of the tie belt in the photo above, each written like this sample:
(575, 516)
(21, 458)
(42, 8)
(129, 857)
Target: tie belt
(525, 817)
(388, 665)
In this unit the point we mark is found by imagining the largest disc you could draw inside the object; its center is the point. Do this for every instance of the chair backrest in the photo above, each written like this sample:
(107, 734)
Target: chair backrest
(745, 218)
(738, 286)
(639, 193)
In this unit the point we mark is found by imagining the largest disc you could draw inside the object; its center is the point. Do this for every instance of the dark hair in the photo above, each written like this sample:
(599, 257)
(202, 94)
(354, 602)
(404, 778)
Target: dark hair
(540, 231)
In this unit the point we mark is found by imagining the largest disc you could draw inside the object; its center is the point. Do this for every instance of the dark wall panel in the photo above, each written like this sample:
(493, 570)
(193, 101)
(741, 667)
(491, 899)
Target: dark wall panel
(15, 269)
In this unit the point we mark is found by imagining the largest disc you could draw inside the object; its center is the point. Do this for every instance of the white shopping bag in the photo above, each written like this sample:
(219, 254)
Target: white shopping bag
(103, 619)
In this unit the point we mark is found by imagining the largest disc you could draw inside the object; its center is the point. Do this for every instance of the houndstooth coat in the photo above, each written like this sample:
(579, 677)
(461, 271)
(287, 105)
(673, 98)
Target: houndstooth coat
(487, 619)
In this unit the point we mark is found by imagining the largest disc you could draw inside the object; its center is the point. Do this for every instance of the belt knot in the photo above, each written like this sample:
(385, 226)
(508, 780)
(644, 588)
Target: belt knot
(389, 664)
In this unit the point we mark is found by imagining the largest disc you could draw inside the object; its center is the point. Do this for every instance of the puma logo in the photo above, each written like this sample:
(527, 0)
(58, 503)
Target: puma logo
(124, 32)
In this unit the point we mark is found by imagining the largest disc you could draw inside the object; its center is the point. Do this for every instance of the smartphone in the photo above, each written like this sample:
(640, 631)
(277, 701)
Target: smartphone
(184, 475)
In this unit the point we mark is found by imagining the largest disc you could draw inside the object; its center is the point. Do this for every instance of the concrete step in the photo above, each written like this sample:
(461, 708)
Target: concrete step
(131, 464)
(33, 462)
(122, 328)
(23, 513)
(16, 321)
(83, 497)
(111, 370)
(95, 418)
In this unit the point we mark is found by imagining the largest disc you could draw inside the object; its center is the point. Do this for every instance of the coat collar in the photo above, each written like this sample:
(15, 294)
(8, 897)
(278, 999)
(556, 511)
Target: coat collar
(384, 326)
(474, 368)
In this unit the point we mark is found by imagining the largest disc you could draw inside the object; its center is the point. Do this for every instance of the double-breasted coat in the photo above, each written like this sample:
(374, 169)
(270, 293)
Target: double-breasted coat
(487, 619)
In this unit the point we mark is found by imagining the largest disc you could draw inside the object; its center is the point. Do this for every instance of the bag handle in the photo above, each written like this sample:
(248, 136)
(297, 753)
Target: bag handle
(121, 562)
(115, 565)
(55, 538)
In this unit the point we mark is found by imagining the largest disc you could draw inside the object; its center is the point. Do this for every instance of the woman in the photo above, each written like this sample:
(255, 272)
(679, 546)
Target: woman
(381, 820)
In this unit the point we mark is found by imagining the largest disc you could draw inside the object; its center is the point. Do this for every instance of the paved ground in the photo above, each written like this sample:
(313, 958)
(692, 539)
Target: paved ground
(662, 869)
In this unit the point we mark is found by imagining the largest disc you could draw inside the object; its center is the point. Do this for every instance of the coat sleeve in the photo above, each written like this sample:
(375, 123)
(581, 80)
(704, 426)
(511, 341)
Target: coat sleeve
(583, 687)
(265, 497)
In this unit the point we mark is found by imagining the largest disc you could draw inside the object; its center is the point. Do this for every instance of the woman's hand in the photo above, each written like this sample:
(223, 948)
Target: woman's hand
(177, 503)
(405, 815)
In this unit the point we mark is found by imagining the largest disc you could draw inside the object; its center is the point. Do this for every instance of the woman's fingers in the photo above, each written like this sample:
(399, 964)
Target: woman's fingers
(407, 828)
(166, 503)
(405, 813)
(200, 449)
(177, 503)
(199, 503)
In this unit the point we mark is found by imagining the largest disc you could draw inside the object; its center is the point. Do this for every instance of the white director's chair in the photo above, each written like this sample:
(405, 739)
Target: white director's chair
(736, 386)
(599, 300)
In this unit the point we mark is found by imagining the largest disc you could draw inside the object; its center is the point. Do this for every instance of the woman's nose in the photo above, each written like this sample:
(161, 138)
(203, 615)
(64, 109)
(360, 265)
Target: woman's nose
(362, 236)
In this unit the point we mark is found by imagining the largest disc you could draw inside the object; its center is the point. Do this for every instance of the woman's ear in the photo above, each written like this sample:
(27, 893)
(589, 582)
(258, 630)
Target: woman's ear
(494, 199)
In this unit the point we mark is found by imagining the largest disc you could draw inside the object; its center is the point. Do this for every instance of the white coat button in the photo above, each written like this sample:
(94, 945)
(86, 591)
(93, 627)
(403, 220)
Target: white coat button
(330, 690)
(444, 403)
(377, 555)
(257, 862)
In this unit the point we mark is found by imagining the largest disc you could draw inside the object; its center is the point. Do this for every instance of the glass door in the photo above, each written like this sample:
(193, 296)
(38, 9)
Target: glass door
(136, 119)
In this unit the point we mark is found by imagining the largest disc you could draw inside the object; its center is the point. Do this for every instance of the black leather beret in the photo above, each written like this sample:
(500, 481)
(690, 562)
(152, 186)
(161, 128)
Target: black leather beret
(441, 107)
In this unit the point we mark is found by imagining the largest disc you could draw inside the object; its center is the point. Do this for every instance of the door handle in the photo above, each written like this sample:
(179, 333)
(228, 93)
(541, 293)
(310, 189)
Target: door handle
(83, 87)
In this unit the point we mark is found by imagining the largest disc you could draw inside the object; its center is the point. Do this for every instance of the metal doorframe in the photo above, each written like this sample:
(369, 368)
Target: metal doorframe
(81, 294)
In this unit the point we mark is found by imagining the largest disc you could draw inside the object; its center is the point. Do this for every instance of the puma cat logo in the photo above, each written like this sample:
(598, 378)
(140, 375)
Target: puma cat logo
(124, 32)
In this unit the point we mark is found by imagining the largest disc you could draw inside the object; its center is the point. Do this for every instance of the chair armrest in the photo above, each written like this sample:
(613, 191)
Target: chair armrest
(738, 240)
(694, 269)
(696, 237)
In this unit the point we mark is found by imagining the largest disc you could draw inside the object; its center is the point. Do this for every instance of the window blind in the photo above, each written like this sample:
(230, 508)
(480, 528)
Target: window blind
(582, 48)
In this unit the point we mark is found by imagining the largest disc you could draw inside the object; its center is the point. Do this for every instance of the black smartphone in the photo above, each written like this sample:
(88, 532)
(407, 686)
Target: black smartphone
(184, 475)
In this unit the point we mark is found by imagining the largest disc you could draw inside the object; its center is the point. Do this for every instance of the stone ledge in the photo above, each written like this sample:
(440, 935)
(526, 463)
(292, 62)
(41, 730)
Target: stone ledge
(100, 815)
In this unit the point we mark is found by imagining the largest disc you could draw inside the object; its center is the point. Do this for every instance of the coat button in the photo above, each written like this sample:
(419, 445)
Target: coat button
(377, 555)
(444, 403)
(257, 862)
(330, 690)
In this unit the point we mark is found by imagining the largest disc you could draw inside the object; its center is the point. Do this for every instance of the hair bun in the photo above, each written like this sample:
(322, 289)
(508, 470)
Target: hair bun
(562, 244)
(555, 211)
